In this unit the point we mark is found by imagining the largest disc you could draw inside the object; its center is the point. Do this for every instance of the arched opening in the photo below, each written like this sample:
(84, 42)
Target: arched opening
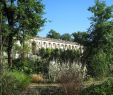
(50, 45)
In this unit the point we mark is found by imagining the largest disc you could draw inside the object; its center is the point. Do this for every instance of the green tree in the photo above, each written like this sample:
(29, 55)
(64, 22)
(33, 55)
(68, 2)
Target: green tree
(53, 34)
(101, 36)
(55, 54)
(81, 38)
(20, 18)
(66, 37)
(34, 47)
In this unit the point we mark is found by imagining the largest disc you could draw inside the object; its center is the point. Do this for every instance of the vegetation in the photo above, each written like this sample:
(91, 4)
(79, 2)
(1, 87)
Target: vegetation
(71, 81)
(81, 38)
(99, 50)
(22, 80)
(18, 20)
(53, 34)
(25, 65)
(8, 85)
(101, 89)
(12, 83)
(22, 19)
(41, 64)
(66, 37)
(56, 35)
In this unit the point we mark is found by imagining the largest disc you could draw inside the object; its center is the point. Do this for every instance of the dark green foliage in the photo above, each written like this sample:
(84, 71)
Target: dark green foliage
(98, 65)
(13, 82)
(66, 37)
(45, 53)
(20, 18)
(81, 38)
(98, 53)
(52, 91)
(55, 54)
(56, 35)
(25, 65)
(59, 55)
(69, 56)
(34, 47)
(105, 88)
(41, 66)
(53, 34)
(8, 85)
(45, 56)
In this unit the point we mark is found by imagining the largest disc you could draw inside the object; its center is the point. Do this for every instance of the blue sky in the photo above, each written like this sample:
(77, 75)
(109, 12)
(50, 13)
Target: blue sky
(67, 16)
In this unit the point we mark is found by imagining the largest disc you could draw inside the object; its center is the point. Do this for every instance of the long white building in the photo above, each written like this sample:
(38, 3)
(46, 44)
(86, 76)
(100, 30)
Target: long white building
(47, 43)
(54, 43)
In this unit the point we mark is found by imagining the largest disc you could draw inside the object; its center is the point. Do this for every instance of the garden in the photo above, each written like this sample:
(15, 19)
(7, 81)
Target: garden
(48, 71)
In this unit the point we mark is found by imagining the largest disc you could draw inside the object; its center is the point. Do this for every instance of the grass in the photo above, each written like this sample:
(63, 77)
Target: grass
(93, 81)
(86, 84)
(43, 86)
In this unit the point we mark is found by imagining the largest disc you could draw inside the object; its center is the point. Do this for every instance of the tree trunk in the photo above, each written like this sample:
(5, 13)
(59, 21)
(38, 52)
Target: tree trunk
(1, 56)
(9, 50)
(1, 44)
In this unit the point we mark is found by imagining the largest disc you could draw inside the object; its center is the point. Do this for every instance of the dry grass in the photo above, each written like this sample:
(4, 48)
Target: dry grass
(37, 78)
(71, 82)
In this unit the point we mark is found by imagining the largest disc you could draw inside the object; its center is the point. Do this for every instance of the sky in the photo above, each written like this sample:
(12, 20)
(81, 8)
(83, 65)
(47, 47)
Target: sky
(67, 16)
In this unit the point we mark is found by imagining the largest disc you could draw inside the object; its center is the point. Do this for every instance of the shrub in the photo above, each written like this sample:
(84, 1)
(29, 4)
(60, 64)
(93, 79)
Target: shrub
(71, 81)
(22, 80)
(54, 69)
(41, 66)
(98, 64)
(37, 78)
(25, 65)
(105, 88)
(8, 85)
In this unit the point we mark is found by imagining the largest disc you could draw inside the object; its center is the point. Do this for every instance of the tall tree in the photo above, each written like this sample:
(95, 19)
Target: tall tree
(1, 39)
(66, 37)
(20, 17)
(101, 37)
(81, 38)
(53, 34)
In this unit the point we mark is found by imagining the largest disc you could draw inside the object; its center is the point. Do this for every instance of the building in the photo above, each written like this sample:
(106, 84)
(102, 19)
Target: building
(36, 43)
(54, 43)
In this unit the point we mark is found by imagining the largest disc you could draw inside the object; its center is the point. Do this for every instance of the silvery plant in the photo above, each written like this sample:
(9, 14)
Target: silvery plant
(56, 69)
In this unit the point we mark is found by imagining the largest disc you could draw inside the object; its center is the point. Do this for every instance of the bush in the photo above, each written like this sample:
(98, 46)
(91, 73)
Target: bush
(71, 81)
(41, 66)
(25, 65)
(37, 78)
(8, 85)
(22, 80)
(105, 88)
(11, 83)
(97, 65)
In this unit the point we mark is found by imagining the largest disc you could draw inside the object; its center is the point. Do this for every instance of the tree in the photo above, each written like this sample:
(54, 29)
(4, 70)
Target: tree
(1, 39)
(55, 55)
(81, 38)
(53, 34)
(20, 18)
(101, 37)
(66, 37)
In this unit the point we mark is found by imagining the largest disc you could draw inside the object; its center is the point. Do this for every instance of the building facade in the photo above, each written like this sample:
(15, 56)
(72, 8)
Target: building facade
(44, 43)
(54, 43)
